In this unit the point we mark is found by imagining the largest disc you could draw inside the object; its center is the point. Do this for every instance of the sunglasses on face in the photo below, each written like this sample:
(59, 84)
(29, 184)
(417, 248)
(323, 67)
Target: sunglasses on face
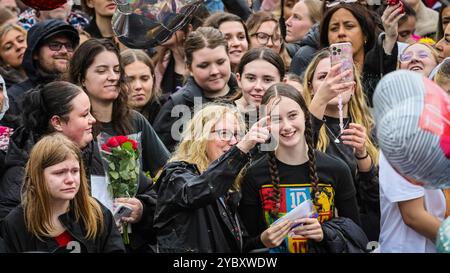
(56, 46)
(407, 56)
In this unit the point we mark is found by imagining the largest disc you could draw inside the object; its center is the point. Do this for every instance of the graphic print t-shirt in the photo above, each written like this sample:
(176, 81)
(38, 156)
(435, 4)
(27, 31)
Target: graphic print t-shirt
(334, 182)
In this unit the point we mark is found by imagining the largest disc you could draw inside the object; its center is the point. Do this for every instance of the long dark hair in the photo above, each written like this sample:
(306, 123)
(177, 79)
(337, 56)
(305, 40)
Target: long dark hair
(260, 53)
(277, 91)
(82, 59)
(363, 17)
(45, 101)
(265, 54)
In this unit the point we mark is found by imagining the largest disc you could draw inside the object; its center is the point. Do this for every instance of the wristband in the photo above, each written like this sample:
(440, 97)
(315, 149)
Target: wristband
(363, 157)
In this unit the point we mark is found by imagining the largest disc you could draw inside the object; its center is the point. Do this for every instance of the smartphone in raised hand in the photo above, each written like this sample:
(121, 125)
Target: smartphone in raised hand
(343, 53)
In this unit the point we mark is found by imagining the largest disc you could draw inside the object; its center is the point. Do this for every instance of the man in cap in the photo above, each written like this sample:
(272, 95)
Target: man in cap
(50, 47)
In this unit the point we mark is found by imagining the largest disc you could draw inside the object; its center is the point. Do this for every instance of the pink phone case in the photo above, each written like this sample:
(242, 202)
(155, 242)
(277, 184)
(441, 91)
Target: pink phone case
(343, 53)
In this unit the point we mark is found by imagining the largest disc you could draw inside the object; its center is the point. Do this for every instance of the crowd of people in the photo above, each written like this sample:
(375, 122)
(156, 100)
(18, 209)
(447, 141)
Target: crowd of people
(242, 116)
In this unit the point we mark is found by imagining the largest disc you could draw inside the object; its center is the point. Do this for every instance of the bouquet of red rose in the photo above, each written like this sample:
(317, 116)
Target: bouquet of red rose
(121, 162)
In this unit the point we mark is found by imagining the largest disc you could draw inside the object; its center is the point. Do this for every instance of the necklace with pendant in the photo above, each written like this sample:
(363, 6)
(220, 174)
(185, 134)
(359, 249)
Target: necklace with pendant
(336, 138)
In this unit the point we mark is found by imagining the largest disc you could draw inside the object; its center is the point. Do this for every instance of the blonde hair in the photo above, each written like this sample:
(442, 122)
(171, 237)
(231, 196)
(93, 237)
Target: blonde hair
(357, 107)
(433, 51)
(315, 9)
(192, 148)
(50, 150)
(4, 29)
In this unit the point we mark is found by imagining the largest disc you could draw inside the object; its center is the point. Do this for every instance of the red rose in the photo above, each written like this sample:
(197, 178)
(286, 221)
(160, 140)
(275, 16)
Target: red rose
(133, 143)
(122, 139)
(113, 142)
(106, 148)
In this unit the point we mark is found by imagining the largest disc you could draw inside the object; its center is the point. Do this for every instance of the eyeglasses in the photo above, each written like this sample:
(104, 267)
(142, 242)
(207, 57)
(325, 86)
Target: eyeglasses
(56, 46)
(263, 38)
(227, 135)
(331, 4)
(421, 54)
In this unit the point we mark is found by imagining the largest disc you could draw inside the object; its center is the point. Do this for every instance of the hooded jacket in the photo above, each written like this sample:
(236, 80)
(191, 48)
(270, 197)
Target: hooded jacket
(35, 37)
(185, 96)
(304, 51)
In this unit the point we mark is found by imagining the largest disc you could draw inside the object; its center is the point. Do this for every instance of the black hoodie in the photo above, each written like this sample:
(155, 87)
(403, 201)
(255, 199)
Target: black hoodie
(35, 37)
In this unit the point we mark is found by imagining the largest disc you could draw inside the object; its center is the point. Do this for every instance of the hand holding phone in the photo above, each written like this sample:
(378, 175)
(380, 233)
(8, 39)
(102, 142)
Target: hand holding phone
(122, 211)
(342, 53)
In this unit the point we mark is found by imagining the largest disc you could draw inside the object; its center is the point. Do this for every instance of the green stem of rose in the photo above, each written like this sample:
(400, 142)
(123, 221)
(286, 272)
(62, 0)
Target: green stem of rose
(126, 239)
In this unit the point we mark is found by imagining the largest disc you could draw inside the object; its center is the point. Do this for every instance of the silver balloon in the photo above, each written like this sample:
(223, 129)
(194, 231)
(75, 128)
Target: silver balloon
(147, 23)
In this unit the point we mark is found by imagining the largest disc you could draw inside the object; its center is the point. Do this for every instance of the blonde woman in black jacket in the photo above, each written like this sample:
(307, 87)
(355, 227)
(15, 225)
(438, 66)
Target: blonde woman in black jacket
(198, 194)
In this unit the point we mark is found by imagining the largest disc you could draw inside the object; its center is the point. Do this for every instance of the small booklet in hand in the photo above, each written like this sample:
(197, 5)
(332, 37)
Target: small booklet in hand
(305, 210)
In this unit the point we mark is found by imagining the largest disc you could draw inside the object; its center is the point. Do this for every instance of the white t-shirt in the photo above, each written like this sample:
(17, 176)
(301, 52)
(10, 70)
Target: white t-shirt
(395, 235)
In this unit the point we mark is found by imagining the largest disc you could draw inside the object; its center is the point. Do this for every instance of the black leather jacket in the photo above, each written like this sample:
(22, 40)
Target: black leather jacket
(196, 212)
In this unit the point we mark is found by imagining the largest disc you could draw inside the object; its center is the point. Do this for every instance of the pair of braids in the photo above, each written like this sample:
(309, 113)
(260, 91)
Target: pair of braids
(275, 93)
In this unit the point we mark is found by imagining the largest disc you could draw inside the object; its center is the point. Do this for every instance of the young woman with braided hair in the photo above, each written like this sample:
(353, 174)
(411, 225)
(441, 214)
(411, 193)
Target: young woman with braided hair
(293, 173)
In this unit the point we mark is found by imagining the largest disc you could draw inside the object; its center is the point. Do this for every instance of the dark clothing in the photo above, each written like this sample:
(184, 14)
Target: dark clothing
(154, 156)
(292, 48)
(376, 61)
(154, 153)
(295, 187)
(151, 110)
(20, 145)
(366, 183)
(197, 212)
(376, 64)
(304, 51)
(341, 235)
(238, 7)
(36, 75)
(11, 76)
(171, 81)
(185, 96)
(2, 246)
(93, 29)
(19, 239)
